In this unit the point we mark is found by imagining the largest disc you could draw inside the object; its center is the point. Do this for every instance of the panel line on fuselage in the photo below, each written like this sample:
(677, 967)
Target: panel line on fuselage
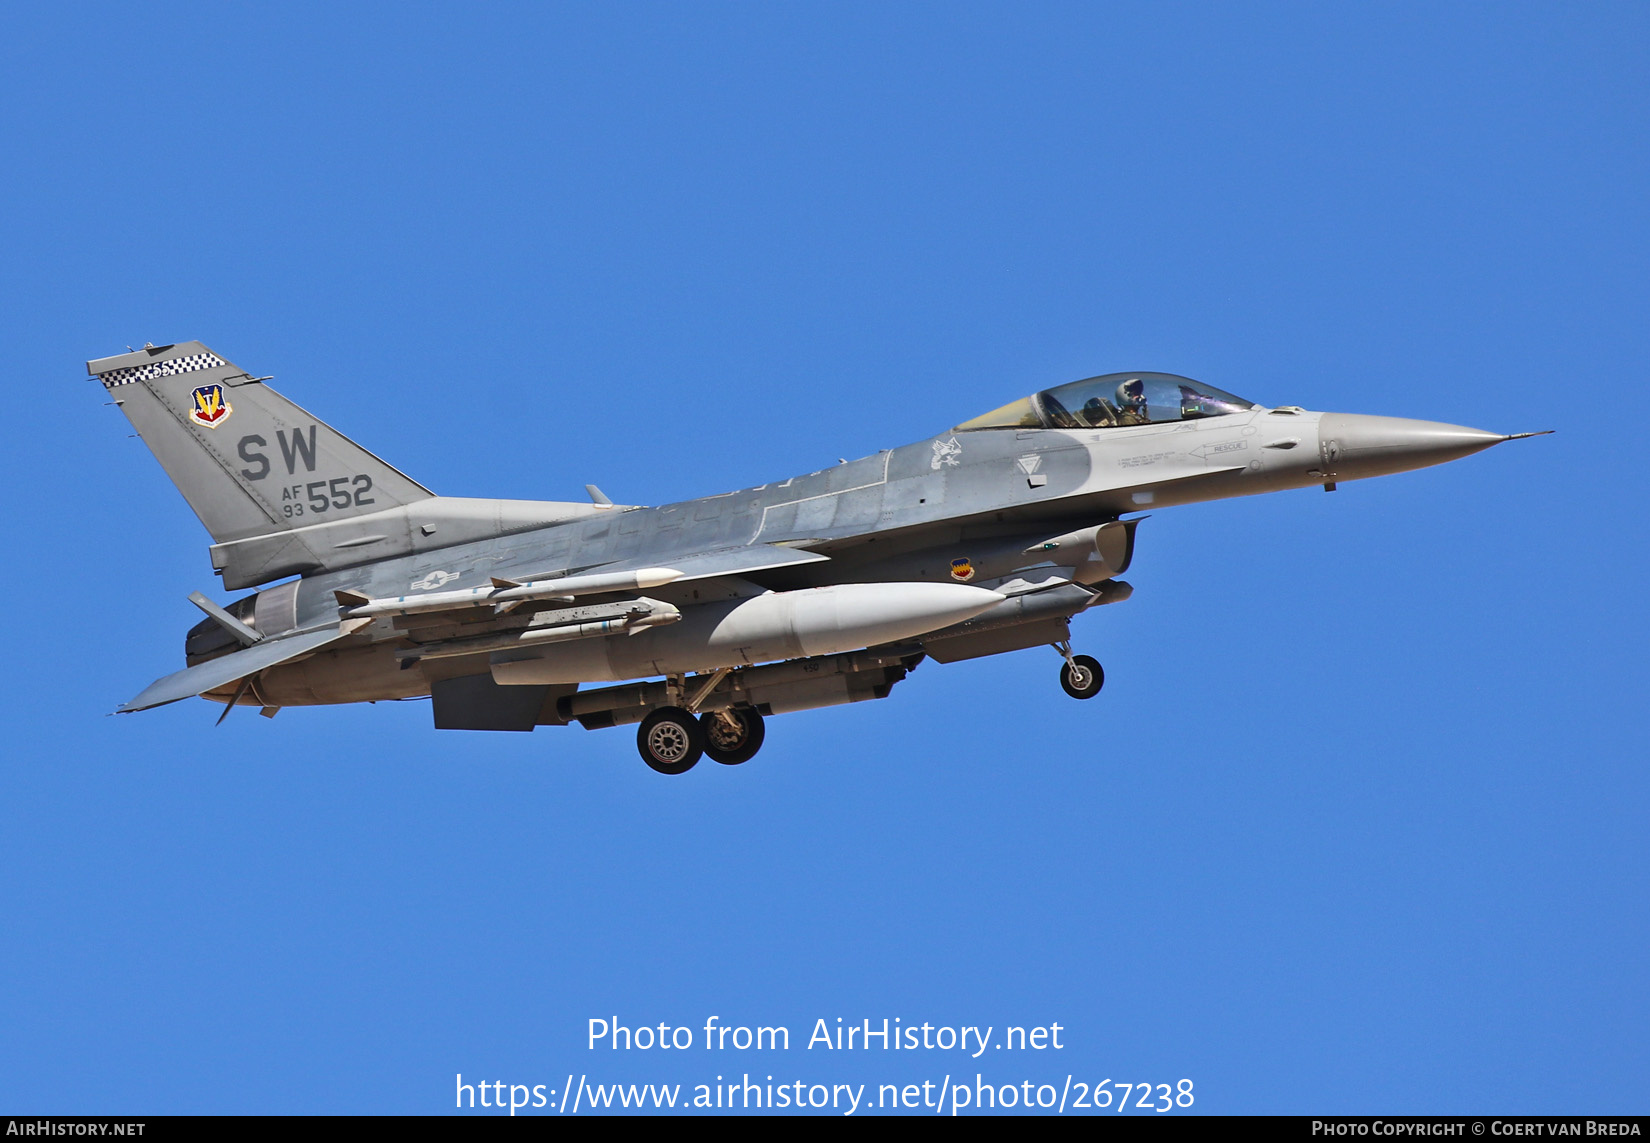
(762, 525)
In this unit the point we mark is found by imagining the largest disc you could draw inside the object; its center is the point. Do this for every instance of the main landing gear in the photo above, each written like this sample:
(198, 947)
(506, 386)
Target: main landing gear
(671, 740)
(1082, 676)
(732, 736)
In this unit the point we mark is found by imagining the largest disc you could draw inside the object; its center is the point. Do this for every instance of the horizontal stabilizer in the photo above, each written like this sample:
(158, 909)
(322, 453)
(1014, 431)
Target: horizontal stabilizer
(214, 673)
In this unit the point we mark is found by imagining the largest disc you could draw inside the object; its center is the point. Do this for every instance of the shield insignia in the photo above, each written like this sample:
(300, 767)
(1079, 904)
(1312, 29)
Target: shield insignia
(209, 408)
(962, 570)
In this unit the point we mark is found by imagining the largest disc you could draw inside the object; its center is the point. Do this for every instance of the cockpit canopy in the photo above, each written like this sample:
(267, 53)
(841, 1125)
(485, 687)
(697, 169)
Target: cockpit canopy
(1112, 401)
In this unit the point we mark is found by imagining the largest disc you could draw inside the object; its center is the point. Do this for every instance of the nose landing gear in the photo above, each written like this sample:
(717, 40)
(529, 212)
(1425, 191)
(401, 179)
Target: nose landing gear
(1082, 676)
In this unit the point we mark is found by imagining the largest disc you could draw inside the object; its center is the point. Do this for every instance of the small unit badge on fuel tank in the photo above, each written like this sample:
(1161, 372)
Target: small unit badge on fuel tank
(209, 409)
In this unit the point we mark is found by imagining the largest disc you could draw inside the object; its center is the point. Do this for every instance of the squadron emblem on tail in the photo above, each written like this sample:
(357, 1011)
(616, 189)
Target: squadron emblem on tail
(209, 409)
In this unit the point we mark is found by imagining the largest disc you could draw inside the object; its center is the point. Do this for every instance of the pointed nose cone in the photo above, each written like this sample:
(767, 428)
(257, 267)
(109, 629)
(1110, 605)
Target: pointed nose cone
(1353, 446)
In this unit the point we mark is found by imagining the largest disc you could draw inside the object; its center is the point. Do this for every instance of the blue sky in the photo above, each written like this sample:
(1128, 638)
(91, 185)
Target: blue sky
(1358, 822)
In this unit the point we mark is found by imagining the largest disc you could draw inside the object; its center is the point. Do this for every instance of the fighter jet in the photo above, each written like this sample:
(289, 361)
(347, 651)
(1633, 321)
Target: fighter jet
(696, 620)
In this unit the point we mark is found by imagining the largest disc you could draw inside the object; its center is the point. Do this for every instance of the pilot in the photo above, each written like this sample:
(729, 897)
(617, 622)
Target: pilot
(1131, 403)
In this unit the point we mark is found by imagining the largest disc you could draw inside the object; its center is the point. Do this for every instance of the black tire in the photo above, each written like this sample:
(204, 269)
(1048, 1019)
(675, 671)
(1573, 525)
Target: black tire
(731, 747)
(670, 741)
(1085, 681)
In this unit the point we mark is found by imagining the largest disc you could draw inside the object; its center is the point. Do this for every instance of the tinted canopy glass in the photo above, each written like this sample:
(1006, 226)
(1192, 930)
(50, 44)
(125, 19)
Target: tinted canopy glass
(1112, 401)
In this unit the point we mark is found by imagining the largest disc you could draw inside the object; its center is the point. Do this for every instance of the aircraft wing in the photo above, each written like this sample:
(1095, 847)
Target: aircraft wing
(226, 669)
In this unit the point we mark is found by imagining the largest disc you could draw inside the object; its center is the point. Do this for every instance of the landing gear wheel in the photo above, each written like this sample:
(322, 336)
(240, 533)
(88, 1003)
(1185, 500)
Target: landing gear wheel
(1081, 677)
(732, 736)
(670, 740)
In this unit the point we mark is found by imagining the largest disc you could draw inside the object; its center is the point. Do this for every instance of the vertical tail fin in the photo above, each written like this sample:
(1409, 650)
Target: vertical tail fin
(250, 462)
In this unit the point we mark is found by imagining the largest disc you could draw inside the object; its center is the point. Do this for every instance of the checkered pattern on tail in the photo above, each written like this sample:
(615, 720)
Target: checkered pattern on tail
(186, 364)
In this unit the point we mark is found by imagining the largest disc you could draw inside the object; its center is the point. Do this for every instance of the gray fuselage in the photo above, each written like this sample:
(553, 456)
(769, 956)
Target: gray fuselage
(902, 515)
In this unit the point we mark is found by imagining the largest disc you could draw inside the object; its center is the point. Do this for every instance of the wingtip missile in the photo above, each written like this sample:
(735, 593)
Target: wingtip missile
(656, 577)
(500, 596)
